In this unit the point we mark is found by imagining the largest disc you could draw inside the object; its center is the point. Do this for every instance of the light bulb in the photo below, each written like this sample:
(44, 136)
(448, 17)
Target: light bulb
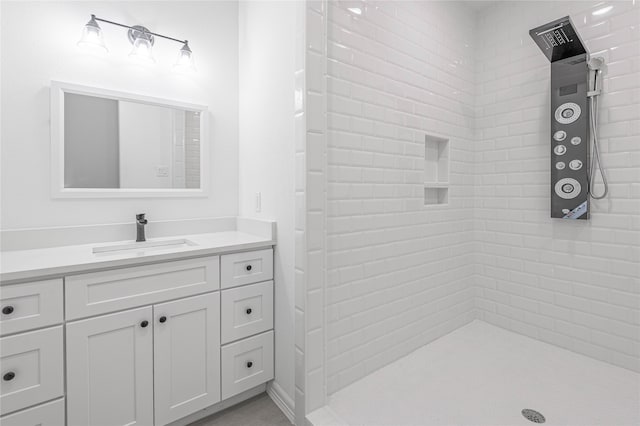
(142, 50)
(92, 36)
(185, 59)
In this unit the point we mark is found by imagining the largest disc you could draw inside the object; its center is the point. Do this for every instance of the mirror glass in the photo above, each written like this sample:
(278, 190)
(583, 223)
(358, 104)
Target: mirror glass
(112, 143)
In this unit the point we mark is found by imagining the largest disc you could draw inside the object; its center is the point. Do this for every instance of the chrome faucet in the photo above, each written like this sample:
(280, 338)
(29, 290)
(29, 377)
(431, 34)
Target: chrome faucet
(140, 223)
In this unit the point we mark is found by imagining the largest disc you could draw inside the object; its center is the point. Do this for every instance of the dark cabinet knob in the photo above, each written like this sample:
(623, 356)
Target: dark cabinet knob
(249, 364)
(7, 310)
(9, 376)
(248, 267)
(163, 319)
(144, 323)
(248, 311)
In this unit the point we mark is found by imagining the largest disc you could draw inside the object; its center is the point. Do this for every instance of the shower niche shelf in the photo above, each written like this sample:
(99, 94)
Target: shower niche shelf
(436, 170)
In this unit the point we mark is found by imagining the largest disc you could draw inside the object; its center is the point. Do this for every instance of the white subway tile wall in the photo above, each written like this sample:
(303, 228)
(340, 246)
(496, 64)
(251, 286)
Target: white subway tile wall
(573, 284)
(310, 128)
(399, 273)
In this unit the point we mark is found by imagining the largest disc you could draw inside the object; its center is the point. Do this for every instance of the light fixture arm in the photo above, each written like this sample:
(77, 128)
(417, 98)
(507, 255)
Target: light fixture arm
(94, 17)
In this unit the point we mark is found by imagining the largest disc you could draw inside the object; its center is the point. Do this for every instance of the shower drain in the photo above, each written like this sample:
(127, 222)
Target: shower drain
(533, 416)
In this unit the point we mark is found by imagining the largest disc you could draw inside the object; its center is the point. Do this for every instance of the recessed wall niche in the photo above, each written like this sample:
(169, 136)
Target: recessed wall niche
(436, 170)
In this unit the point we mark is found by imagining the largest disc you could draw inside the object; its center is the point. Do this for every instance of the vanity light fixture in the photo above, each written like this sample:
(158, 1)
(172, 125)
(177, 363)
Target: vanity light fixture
(142, 42)
(92, 36)
(185, 58)
(140, 37)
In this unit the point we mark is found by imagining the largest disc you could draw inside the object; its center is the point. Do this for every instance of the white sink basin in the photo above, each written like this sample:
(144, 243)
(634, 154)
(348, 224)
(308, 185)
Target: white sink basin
(144, 246)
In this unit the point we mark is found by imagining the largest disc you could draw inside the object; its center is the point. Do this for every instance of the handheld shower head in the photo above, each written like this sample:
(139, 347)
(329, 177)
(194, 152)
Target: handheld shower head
(596, 63)
(597, 67)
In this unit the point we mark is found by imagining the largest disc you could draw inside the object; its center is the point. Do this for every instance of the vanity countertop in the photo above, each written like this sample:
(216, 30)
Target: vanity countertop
(20, 265)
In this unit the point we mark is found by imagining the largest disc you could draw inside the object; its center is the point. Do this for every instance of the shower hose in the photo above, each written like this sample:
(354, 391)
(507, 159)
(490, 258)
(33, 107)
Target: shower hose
(596, 162)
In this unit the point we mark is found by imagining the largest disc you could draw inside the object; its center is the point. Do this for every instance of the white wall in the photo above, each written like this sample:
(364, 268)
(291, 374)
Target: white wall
(573, 284)
(267, 60)
(399, 274)
(31, 59)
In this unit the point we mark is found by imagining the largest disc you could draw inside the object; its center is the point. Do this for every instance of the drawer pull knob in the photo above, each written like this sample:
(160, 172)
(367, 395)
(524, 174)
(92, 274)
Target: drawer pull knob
(9, 376)
(144, 323)
(248, 311)
(249, 364)
(248, 268)
(163, 319)
(7, 310)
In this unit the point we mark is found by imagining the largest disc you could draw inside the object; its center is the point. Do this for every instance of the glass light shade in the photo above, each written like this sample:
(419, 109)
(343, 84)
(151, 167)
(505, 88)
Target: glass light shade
(185, 59)
(142, 50)
(92, 37)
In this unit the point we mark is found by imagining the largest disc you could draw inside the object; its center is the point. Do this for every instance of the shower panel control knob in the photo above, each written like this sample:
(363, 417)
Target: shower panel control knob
(560, 135)
(568, 188)
(560, 165)
(575, 165)
(567, 113)
(576, 140)
(560, 149)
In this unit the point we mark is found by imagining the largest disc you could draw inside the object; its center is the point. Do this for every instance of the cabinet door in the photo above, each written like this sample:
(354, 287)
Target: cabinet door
(186, 356)
(110, 369)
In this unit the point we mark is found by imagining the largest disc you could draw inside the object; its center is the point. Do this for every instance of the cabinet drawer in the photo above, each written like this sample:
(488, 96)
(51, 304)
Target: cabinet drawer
(246, 364)
(108, 291)
(30, 305)
(246, 268)
(49, 414)
(246, 311)
(32, 368)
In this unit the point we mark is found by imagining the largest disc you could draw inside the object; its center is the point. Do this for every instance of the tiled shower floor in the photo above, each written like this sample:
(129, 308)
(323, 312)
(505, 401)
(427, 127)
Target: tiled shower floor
(484, 375)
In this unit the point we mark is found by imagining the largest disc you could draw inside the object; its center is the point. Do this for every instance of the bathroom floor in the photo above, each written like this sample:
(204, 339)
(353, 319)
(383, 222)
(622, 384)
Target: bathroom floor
(257, 411)
(484, 375)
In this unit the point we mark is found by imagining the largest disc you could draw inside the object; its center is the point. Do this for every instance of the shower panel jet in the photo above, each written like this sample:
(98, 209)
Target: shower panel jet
(574, 89)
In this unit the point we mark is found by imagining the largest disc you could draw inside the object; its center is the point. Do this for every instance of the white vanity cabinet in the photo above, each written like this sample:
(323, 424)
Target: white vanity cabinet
(140, 345)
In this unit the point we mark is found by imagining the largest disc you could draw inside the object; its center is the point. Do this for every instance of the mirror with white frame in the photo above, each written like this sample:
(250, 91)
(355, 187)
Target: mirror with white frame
(114, 144)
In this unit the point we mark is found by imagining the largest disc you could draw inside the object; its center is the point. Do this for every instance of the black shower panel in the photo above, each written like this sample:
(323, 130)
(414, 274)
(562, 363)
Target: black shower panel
(569, 137)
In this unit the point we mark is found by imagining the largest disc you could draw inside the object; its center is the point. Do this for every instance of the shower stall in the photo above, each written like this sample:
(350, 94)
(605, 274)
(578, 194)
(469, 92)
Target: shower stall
(438, 281)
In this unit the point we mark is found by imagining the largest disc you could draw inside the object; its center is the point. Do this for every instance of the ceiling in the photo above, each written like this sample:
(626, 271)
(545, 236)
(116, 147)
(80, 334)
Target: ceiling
(478, 4)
